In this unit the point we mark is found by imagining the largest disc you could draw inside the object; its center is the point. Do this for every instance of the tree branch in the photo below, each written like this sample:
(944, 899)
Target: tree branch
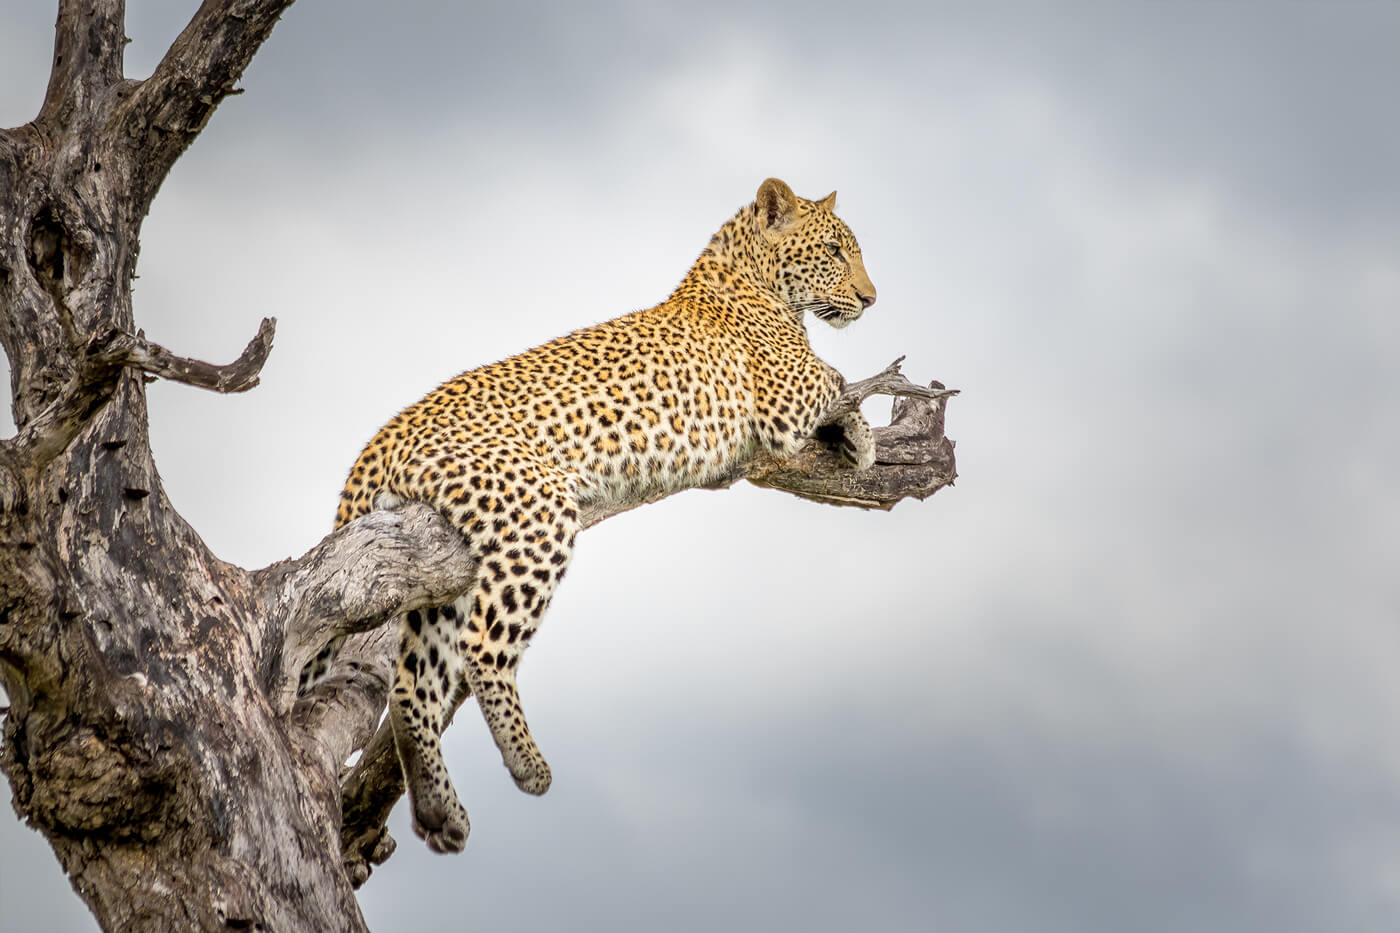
(200, 69)
(239, 376)
(888, 381)
(913, 458)
(50, 432)
(87, 59)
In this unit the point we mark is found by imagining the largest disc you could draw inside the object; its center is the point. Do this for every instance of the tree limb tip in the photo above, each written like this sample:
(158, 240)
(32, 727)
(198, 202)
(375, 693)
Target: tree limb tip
(913, 457)
(889, 381)
(239, 376)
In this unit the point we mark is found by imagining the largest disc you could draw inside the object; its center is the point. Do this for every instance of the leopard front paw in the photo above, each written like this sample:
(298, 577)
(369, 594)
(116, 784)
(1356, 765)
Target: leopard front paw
(857, 442)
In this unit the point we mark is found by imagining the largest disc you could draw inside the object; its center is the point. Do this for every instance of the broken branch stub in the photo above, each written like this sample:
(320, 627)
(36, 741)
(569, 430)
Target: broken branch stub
(913, 458)
(91, 386)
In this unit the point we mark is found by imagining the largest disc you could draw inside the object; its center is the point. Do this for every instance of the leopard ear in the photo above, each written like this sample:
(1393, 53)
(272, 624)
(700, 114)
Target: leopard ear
(828, 202)
(777, 208)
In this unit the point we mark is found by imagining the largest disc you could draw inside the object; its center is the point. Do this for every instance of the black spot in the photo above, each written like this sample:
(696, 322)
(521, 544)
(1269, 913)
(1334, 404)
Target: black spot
(415, 622)
(508, 598)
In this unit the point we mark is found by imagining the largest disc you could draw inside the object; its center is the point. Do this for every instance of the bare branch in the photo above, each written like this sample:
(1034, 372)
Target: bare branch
(889, 381)
(913, 458)
(170, 107)
(239, 376)
(50, 432)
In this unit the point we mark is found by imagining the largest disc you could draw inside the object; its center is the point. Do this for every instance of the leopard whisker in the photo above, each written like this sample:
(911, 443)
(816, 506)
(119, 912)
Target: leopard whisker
(822, 309)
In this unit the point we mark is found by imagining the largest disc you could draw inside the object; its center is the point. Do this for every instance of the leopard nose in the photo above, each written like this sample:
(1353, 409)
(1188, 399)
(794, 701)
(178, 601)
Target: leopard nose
(867, 300)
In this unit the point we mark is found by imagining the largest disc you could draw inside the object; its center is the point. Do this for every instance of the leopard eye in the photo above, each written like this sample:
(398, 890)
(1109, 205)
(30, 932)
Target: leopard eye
(834, 249)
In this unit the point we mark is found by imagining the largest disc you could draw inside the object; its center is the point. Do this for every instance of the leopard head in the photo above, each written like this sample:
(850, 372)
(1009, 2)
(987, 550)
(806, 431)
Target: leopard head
(817, 263)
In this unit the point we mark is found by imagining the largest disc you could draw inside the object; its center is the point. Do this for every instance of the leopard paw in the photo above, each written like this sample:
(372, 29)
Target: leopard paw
(857, 442)
(442, 824)
(531, 774)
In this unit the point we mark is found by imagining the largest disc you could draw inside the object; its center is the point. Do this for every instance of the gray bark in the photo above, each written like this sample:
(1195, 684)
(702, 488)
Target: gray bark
(154, 736)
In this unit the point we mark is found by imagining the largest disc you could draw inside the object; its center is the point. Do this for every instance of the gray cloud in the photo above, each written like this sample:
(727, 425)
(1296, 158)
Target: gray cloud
(1133, 672)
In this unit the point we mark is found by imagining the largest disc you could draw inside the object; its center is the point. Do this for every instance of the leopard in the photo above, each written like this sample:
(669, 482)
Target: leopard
(672, 397)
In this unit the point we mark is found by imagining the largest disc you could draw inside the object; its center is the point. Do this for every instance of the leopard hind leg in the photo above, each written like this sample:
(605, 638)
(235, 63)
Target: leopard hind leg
(427, 687)
(520, 568)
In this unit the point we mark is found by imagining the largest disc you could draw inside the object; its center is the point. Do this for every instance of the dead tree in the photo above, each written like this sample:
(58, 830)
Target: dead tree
(154, 736)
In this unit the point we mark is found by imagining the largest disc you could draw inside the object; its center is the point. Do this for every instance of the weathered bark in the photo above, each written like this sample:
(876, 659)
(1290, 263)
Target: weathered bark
(154, 736)
(140, 740)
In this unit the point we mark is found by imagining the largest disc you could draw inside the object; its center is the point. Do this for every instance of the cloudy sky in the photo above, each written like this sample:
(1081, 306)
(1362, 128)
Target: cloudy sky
(1135, 672)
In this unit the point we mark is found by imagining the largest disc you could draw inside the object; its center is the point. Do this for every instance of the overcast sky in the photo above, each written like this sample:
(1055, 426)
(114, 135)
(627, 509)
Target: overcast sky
(1135, 672)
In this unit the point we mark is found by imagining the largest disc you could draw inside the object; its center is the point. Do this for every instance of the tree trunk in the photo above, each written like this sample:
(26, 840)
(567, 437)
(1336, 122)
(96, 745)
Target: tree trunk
(154, 736)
